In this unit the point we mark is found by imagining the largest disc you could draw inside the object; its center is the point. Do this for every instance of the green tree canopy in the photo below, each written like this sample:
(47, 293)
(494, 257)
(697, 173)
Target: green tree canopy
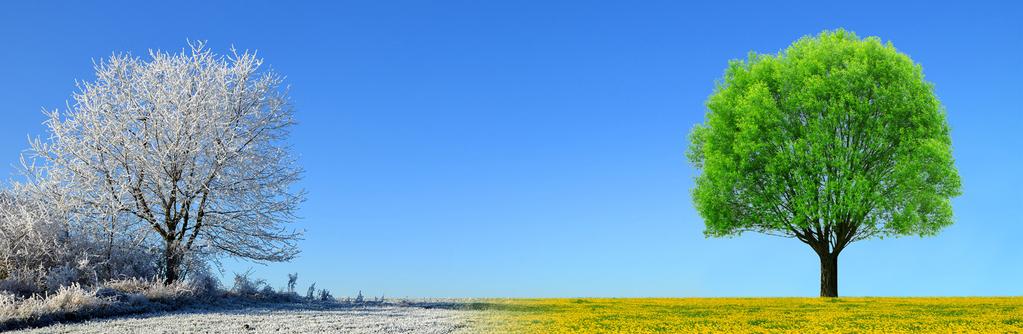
(833, 140)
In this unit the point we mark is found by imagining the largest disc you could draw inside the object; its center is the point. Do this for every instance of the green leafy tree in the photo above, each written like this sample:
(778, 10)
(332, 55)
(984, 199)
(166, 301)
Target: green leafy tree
(836, 139)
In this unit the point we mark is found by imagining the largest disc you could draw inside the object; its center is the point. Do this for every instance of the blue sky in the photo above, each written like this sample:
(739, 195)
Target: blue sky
(484, 148)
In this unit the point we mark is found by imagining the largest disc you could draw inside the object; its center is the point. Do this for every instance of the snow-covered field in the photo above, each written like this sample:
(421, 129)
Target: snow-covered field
(302, 318)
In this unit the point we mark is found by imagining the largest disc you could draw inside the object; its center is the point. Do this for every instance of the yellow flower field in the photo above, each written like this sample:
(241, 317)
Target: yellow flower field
(754, 315)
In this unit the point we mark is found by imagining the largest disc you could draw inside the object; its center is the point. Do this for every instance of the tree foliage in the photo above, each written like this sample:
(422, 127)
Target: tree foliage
(833, 140)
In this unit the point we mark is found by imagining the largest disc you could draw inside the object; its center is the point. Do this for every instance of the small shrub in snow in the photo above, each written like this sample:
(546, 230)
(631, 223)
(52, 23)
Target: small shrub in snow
(312, 291)
(359, 299)
(174, 293)
(204, 284)
(326, 296)
(72, 299)
(292, 280)
(132, 289)
(245, 285)
(60, 277)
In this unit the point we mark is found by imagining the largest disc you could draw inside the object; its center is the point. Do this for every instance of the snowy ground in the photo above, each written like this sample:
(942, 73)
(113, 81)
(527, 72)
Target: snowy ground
(293, 318)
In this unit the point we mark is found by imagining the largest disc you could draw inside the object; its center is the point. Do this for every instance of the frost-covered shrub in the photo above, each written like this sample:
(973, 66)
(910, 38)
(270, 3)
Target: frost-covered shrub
(113, 295)
(32, 240)
(245, 285)
(312, 291)
(131, 285)
(204, 284)
(120, 262)
(174, 293)
(292, 280)
(71, 299)
(62, 276)
(133, 290)
(267, 291)
(326, 296)
(46, 243)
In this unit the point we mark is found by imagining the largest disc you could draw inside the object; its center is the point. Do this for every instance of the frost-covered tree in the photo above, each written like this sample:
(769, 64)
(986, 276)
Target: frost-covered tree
(190, 145)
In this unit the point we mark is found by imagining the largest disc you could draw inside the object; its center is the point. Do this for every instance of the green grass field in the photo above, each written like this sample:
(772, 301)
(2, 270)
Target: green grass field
(755, 315)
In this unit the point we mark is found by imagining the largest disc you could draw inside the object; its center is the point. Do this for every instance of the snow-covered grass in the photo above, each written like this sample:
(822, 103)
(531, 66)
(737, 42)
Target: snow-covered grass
(73, 302)
(295, 317)
(201, 305)
(130, 296)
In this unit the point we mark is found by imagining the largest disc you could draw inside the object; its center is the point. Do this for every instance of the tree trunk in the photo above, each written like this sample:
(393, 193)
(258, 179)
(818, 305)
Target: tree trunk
(829, 275)
(172, 259)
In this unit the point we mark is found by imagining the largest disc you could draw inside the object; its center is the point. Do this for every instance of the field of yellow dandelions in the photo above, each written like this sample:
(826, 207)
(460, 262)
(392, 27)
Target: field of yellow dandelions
(754, 315)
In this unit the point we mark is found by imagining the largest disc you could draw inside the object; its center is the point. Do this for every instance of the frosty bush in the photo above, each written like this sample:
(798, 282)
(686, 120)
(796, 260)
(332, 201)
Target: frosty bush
(204, 284)
(312, 291)
(32, 241)
(71, 298)
(45, 244)
(326, 296)
(292, 280)
(245, 285)
(130, 285)
(172, 293)
(61, 276)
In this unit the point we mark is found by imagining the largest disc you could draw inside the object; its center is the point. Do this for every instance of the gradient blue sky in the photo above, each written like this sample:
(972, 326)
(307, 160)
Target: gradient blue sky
(484, 148)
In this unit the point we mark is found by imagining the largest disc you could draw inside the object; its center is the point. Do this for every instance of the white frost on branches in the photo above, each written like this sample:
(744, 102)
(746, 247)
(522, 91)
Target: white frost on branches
(186, 149)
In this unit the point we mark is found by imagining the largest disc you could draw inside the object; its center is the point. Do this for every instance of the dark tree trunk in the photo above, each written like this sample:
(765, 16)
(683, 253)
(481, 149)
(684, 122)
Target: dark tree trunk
(829, 275)
(172, 259)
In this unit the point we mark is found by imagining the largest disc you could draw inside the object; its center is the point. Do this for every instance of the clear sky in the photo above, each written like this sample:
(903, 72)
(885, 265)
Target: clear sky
(486, 148)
